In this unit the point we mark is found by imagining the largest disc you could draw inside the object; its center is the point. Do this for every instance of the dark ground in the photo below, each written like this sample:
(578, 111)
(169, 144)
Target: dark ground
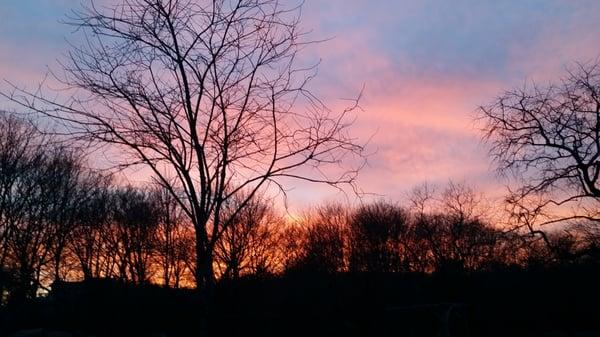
(562, 301)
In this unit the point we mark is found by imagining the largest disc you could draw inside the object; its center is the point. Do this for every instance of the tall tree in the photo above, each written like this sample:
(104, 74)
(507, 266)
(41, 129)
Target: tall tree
(211, 92)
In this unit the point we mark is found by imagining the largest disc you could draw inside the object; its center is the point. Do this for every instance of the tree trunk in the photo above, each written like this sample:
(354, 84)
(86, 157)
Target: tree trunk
(57, 261)
(204, 269)
(204, 280)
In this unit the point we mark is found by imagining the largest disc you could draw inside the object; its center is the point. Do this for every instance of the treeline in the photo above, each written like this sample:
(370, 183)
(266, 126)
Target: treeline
(452, 231)
(60, 220)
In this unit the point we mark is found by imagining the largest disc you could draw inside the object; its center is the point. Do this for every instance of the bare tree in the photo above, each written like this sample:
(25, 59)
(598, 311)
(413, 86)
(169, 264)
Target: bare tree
(38, 196)
(211, 92)
(172, 239)
(87, 241)
(21, 237)
(248, 245)
(378, 235)
(548, 137)
(322, 240)
(135, 217)
(66, 196)
(16, 139)
(451, 230)
(292, 247)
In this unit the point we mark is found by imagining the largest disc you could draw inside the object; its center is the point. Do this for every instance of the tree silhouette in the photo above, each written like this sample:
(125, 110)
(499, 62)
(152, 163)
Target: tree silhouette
(451, 231)
(87, 240)
(39, 194)
(318, 242)
(212, 93)
(173, 244)
(249, 244)
(548, 137)
(377, 231)
(136, 224)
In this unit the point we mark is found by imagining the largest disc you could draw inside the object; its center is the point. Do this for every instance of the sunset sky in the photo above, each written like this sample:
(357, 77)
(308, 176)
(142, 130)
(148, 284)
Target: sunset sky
(426, 67)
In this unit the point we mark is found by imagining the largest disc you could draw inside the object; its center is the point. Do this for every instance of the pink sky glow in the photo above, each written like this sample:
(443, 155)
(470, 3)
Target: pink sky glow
(425, 65)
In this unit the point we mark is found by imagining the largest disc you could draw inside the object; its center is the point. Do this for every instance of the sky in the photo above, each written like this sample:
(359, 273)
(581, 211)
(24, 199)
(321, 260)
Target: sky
(425, 65)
